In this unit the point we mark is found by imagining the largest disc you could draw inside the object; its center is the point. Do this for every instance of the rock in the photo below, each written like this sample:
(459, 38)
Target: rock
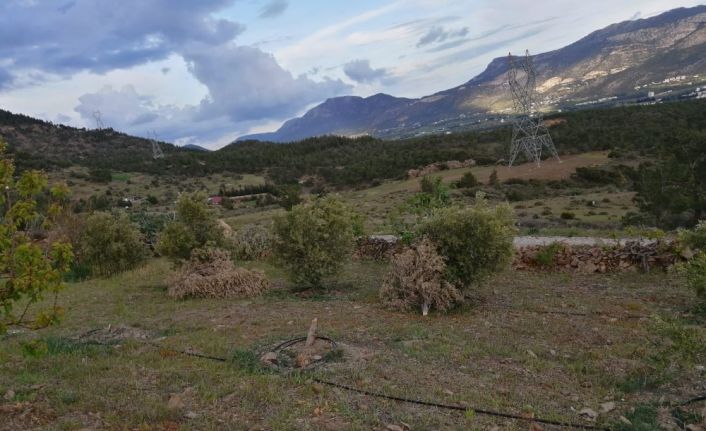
(552, 352)
(9, 395)
(317, 388)
(317, 358)
(392, 427)
(175, 402)
(588, 413)
(607, 407)
(534, 426)
(625, 421)
(269, 359)
(694, 427)
(448, 392)
(532, 354)
(191, 415)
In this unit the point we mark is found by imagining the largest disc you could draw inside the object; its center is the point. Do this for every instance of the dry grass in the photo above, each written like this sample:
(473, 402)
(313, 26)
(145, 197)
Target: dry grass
(504, 352)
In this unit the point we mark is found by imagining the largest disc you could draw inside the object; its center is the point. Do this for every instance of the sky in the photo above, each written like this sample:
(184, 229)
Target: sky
(208, 71)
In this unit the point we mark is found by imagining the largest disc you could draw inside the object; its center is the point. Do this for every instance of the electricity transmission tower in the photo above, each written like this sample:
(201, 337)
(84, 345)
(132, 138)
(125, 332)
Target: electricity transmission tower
(98, 117)
(529, 134)
(157, 152)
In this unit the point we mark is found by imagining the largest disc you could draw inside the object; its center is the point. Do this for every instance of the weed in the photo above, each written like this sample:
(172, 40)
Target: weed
(643, 418)
(247, 361)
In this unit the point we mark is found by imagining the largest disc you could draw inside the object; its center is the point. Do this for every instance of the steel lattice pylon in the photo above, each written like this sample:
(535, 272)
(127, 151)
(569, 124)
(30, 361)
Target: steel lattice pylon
(157, 152)
(529, 134)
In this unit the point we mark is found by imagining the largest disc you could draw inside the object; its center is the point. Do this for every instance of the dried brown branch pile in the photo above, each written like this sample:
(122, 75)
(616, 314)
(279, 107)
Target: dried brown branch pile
(210, 273)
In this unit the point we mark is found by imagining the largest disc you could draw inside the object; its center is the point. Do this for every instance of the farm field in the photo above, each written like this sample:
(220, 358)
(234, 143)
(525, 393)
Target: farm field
(547, 345)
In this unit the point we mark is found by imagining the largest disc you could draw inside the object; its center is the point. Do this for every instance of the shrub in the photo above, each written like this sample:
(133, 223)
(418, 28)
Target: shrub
(210, 273)
(111, 244)
(695, 271)
(416, 280)
(696, 238)
(313, 241)
(467, 181)
(546, 255)
(568, 215)
(195, 226)
(289, 195)
(474, 241)
(252, 242)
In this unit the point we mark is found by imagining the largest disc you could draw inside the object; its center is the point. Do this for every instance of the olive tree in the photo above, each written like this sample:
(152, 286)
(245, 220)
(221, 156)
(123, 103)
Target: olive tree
(313, 241)
(29, 269)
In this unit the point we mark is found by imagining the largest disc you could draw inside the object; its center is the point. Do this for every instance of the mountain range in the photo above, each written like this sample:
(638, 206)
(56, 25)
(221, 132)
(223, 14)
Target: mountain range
(623, 62)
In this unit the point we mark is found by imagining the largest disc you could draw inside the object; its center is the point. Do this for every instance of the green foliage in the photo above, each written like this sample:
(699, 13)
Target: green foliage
(695, 272)
(252, 242)
(643, 418)
(695, 238)
(568, 215)
(289, 195)
(546, 255)
(100, 175)
(673, 189)
(475, 241)
(195, 226)
(493, 181)
(29, 269)
(467, 181)
(111, 244)
(313, 241)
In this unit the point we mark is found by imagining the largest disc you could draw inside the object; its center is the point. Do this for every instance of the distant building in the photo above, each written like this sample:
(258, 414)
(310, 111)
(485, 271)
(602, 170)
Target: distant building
(215, 200)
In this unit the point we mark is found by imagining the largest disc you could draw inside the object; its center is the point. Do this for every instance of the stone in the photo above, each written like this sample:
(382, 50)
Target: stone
(175, 402)
(588, 413)
(9, 395)
(607, 407)
(625, 421)
(269, 358)
(191, 415)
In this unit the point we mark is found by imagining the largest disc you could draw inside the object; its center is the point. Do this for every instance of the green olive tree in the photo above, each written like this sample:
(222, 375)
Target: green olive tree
(29, 269)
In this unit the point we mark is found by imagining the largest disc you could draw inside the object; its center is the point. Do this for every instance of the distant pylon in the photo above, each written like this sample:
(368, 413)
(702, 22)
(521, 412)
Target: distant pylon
(157, 152)
(98, 117)
(529, 134)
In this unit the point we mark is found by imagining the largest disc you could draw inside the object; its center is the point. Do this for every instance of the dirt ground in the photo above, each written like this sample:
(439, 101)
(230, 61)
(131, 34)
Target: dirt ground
(542, 345)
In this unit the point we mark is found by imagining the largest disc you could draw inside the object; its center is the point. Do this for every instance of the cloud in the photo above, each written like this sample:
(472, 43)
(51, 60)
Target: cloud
(361, 72)
(438, 34)
(274, 8)
(103, 35)
(5, 78)
(247, 83)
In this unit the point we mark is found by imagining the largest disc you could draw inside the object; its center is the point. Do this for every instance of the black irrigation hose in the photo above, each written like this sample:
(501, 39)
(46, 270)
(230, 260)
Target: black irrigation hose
(460, 408)
(293, 341)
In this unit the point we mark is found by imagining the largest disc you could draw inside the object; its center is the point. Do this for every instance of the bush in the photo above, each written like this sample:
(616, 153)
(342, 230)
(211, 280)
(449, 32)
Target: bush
(467, 181)
(210, 273)
(695, 271)
(252, 242)
(195, 227)
(696, 238)
(416, 280)
(474, 241)
(568, 215)
(111, 244)
(546, 255)
(313, 241)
